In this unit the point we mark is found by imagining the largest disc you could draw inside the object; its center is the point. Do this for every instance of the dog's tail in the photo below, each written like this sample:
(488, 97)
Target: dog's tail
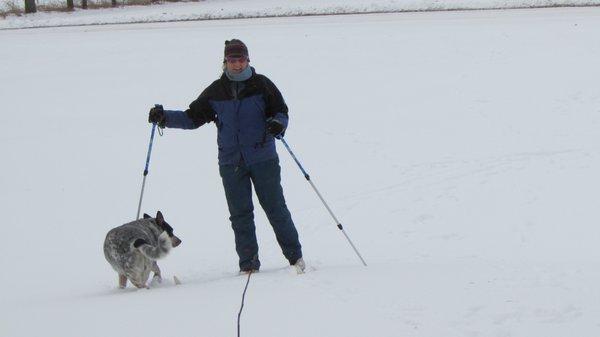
(152, 252)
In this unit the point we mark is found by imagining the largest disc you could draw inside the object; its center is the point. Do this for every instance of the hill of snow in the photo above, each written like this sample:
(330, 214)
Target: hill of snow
(228, 9)
(459, 149)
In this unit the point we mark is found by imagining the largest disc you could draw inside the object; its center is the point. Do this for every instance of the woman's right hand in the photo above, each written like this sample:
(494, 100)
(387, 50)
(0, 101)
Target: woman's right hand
(157, 115)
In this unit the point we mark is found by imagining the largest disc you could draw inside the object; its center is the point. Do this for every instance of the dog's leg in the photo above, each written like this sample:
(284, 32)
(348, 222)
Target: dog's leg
(122, 281)
(157, 276)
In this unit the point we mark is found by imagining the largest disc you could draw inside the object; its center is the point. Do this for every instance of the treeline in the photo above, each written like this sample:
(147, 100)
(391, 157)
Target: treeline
(30, 5)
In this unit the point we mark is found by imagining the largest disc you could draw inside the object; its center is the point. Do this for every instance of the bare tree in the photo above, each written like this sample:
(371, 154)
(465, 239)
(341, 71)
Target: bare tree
(70, 5)
(84, 4)
(30, 6)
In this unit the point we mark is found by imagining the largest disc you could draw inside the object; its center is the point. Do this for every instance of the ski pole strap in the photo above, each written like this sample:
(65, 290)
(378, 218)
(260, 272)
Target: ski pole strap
(295, 159)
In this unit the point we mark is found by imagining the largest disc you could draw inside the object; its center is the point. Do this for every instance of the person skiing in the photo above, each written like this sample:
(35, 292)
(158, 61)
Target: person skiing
(249, 112)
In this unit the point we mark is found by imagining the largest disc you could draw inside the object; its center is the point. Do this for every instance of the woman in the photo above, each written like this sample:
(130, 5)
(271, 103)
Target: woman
(249, 112)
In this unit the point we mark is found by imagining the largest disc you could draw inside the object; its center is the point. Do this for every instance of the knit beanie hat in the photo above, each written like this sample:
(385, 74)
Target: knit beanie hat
(235, 48)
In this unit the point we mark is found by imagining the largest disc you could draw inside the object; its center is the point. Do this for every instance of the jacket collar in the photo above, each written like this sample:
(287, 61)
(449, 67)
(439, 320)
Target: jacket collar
(225, 78)
(250, 84)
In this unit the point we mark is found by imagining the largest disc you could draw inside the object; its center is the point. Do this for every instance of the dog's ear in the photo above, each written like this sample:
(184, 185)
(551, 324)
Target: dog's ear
(159, 218)
(146, 216)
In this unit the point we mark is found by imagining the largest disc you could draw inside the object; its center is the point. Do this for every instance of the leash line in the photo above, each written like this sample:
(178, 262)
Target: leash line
(242, 306)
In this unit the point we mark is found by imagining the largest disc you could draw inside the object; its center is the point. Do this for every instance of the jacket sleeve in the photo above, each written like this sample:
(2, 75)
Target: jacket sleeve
(200, 111)
(275, 104)
(178, 119)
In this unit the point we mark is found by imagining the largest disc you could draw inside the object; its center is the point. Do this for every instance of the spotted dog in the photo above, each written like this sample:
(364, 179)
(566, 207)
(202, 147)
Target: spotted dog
(133, 248)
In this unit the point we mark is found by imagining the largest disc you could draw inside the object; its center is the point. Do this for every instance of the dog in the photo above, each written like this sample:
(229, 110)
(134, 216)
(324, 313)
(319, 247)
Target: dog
(133, 248)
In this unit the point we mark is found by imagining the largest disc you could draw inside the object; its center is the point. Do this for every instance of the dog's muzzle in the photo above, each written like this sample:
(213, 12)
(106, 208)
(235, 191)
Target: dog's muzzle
(175, 241)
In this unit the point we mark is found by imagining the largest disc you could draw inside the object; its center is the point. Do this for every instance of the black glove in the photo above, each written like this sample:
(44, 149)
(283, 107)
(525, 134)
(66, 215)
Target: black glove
(157, 115)
(275, 127)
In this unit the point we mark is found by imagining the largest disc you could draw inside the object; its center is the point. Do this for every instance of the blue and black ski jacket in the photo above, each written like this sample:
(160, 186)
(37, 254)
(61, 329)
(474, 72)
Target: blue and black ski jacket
(240, 111)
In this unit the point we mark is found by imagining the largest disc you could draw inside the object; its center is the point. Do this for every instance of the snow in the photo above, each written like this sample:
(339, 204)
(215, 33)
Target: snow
(227, 9)
(458, 149)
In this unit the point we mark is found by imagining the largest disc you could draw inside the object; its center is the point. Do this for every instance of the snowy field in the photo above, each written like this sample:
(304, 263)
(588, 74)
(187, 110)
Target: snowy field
(227, 9)
(460, 150)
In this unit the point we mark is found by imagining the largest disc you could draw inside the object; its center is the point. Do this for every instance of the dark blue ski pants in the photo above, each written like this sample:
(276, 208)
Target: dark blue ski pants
(265, 176)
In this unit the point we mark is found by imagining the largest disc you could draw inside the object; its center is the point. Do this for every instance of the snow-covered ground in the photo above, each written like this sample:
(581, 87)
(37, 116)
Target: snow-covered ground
(224, 9)
(459, 149)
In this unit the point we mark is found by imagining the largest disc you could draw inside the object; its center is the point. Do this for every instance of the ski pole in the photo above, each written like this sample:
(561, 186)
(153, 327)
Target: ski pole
(146, 169)
(339, 225)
